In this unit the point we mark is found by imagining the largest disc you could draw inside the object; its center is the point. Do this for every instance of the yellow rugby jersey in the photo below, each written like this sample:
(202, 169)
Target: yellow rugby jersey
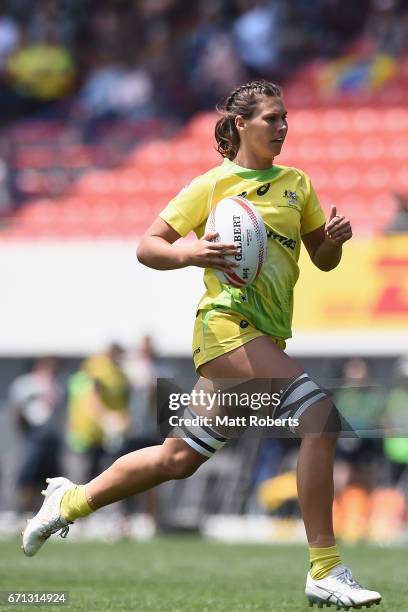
(289, 208)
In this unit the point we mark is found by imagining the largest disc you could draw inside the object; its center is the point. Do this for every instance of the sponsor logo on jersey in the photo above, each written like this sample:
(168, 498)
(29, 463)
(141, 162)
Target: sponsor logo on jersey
(197, 351)
(263, 189)
(290, 243)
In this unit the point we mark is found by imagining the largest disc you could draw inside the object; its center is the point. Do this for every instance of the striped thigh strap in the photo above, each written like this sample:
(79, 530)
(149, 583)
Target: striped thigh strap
(201, 438)
(299, 396)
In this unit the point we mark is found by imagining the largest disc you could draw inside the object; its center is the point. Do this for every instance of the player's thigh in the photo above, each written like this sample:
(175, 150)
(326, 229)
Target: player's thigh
(261, 358)
(258, 358)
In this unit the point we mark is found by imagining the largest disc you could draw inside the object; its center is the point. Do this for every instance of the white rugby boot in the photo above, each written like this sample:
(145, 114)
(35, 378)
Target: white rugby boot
(48, 519)
(339, 589)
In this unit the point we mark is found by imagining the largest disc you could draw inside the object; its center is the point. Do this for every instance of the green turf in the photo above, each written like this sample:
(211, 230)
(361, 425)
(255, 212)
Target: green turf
(188, 575)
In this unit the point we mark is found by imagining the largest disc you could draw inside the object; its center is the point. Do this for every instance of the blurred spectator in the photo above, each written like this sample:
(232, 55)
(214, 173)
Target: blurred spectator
(218, 70)
(396, 420)
(385, 29)
(49, 22)
(162, 56)
(41, 71)
(98, 415)
(37, 76)
(141, 369)
(339, 22)
(113, 91)
(140, 366)
(9, 36)
(362, 407)
(214, 66)
(299, 37)
(366, 507)
(173, 57)
(36, 401)
(274, 476)
(400, 220)
(257, 35)
(91, 64)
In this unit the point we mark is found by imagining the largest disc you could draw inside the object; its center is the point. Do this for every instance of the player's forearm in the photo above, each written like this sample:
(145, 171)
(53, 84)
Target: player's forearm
(327, 256)
(157, 253)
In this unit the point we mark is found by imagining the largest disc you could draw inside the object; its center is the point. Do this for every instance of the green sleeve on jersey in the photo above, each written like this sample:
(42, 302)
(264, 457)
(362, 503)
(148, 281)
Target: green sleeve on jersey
(190, 208)
(312, 213)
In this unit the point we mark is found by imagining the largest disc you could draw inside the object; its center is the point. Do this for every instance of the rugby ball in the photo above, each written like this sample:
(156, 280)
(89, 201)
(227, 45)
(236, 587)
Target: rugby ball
(237, 220)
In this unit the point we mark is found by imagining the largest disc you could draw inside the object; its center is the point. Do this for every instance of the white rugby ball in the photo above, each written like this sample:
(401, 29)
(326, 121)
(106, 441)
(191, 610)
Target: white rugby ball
(237, 220)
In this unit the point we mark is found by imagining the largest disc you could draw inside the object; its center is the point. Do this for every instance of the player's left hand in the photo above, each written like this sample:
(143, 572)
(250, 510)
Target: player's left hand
(338, 228)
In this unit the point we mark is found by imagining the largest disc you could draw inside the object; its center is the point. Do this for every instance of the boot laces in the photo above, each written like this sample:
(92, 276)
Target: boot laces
(347, 577)
(57, 525)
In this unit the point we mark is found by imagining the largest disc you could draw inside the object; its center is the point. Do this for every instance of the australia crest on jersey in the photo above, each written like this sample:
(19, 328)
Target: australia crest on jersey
(291, 198)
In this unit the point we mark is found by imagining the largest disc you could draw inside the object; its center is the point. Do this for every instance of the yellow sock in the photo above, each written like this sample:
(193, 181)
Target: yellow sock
(322, 561)
(74, 504)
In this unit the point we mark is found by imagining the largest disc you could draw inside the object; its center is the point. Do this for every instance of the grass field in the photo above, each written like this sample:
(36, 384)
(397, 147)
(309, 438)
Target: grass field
(187, 575)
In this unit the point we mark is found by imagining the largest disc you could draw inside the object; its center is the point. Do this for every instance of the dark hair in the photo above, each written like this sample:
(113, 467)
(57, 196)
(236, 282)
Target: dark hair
(242, 101)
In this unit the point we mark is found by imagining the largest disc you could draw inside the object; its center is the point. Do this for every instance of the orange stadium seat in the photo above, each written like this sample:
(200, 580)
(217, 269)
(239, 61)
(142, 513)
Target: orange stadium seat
(36, 157)
(35, 131)
(202, 125)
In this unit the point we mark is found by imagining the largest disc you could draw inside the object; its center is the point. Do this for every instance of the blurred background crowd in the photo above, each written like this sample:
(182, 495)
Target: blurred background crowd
(116, 72)
(77, 419)
(171, 58)
(106, 111)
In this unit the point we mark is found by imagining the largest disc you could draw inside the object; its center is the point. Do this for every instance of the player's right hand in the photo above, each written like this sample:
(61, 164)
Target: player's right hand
(208, 253)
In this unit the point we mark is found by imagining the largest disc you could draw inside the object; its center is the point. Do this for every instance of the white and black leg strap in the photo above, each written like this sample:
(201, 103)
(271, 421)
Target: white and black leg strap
(201, 438)
(298, 397)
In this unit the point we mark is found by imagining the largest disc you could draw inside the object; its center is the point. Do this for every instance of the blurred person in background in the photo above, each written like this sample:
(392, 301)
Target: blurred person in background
(115, 91)
(338, 22)
(49, 22)
(162, 57)
(39, 74)
(399, 223)
(275, 477)
(385, 29)
(387, 504)
(239, 333)
(257, 35)
(359, 451)
(140, 366)
(36, 402)
(396, 420)
(10, 35)
(361, 404)
(213, 65)
(116, 84)
(98, 417)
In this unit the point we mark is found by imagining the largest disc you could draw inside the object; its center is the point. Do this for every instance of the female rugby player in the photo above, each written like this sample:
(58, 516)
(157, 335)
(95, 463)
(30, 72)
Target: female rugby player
(240, 333)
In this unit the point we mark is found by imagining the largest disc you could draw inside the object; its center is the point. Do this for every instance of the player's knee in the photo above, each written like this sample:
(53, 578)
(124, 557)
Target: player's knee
(312, 408)
(178, 465)
(322, 418)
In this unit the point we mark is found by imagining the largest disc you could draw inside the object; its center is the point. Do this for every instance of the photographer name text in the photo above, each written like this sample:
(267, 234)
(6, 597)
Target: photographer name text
(252, 420)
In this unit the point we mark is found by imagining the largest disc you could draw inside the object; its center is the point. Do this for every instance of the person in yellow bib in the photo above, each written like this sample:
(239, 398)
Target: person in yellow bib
(98, 412)
(240, 333)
